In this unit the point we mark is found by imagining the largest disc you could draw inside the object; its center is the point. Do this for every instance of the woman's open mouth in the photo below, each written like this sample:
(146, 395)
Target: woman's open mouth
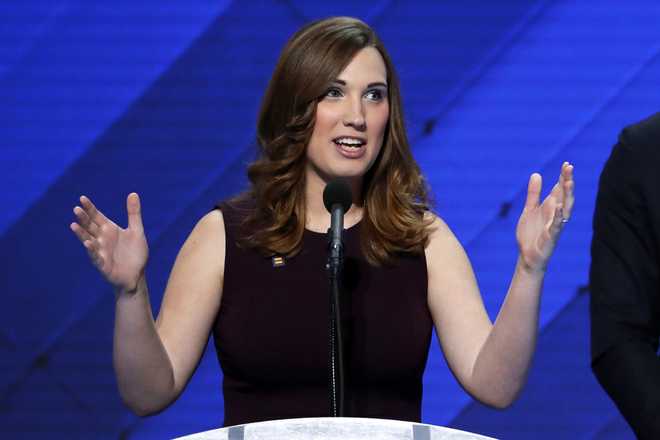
(350, 146)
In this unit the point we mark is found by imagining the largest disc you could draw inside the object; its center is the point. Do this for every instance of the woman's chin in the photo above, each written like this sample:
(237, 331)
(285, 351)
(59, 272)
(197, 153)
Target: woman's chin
(353, 173)
(348, 175)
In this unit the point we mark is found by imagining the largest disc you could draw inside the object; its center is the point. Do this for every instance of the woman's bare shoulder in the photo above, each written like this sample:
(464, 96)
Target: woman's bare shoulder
(438, 228)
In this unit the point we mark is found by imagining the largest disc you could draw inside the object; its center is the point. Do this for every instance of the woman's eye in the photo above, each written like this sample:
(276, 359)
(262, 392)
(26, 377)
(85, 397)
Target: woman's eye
(333, 93)
(374, 95)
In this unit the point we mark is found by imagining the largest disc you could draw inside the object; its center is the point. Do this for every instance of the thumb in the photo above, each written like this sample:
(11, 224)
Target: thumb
(134, 212)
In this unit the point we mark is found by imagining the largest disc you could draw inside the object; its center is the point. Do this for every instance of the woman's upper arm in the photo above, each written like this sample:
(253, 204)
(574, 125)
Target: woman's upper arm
(455, 303)
(192, 296)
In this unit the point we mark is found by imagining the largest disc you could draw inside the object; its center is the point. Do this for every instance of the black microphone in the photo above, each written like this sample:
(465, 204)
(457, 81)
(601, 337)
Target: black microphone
(337, 199)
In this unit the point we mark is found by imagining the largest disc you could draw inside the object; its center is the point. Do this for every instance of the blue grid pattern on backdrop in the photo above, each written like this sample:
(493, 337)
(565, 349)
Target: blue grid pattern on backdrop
(105, 98)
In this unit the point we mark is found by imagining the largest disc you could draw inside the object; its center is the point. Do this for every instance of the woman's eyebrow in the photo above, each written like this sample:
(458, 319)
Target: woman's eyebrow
(373, 84)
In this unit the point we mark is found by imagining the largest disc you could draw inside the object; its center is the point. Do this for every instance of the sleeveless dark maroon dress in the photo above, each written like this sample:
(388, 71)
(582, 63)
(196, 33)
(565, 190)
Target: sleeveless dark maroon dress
(271, 333)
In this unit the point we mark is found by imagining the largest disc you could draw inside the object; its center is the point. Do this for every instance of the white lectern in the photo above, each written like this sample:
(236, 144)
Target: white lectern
(335, 428)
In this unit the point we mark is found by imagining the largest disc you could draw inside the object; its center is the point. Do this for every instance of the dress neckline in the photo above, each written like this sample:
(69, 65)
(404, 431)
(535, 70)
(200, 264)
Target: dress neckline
(324, 234)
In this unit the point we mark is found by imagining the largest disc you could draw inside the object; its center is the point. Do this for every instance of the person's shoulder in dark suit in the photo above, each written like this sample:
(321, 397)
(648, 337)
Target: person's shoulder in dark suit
(643, 137)
(625, 277)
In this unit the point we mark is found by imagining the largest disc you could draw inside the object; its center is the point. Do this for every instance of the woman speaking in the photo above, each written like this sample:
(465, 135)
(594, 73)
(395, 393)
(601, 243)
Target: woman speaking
(251, 271)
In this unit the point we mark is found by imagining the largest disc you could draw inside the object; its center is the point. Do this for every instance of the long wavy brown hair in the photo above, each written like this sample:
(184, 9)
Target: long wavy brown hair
(394, 192)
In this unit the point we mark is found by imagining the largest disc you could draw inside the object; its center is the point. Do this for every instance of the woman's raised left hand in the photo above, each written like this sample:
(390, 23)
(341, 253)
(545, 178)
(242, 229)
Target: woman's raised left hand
(539, 225)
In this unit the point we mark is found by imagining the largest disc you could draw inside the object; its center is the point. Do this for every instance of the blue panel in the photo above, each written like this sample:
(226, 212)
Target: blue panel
(367, 11)
(47, 409)
(69, 73)
(22, 24)
(439, 49)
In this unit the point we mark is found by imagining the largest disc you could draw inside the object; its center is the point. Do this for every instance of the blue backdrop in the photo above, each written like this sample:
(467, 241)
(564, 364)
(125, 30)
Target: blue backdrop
(160, 97)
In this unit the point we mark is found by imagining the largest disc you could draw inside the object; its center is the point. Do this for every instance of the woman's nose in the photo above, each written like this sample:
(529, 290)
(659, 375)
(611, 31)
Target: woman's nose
(354, 115)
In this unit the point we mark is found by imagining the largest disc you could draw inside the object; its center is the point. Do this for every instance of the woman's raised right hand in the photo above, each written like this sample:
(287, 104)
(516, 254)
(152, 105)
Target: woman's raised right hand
(119, 254)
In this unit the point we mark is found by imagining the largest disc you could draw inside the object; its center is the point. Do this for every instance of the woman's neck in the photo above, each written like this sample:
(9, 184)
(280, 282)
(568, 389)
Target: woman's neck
(317, 217)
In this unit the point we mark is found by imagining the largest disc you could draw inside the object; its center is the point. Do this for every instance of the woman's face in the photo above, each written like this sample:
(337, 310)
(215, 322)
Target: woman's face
(350, 121)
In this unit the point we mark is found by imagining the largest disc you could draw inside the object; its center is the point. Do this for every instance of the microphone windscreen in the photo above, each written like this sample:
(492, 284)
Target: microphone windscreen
(337, 191)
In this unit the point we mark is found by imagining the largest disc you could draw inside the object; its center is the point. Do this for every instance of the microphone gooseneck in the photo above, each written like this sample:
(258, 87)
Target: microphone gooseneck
(337, 199)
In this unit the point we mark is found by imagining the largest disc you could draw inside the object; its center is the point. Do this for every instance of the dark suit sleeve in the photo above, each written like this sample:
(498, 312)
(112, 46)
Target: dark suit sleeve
(625, 288)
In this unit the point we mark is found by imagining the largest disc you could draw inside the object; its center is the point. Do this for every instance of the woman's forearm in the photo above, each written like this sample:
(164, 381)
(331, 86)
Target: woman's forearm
(144, 372)
(500, 370)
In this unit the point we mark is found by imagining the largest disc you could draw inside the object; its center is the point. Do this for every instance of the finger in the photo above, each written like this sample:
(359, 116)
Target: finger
(550, 209)
(85, 221)
(101, 263)
(91, 251)
(80, 232)
(560, 183)
(94, 214)
(558, 219)
(92, 245)
(98, 262)
(533, 191)
(552, 204)
(134, 212)
(557, 192)
(568, 187)
(97, 259)
(562, 179)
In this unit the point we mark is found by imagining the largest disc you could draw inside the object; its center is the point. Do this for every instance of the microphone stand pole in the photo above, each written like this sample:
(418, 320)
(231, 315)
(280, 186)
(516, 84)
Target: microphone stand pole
(334, 267)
